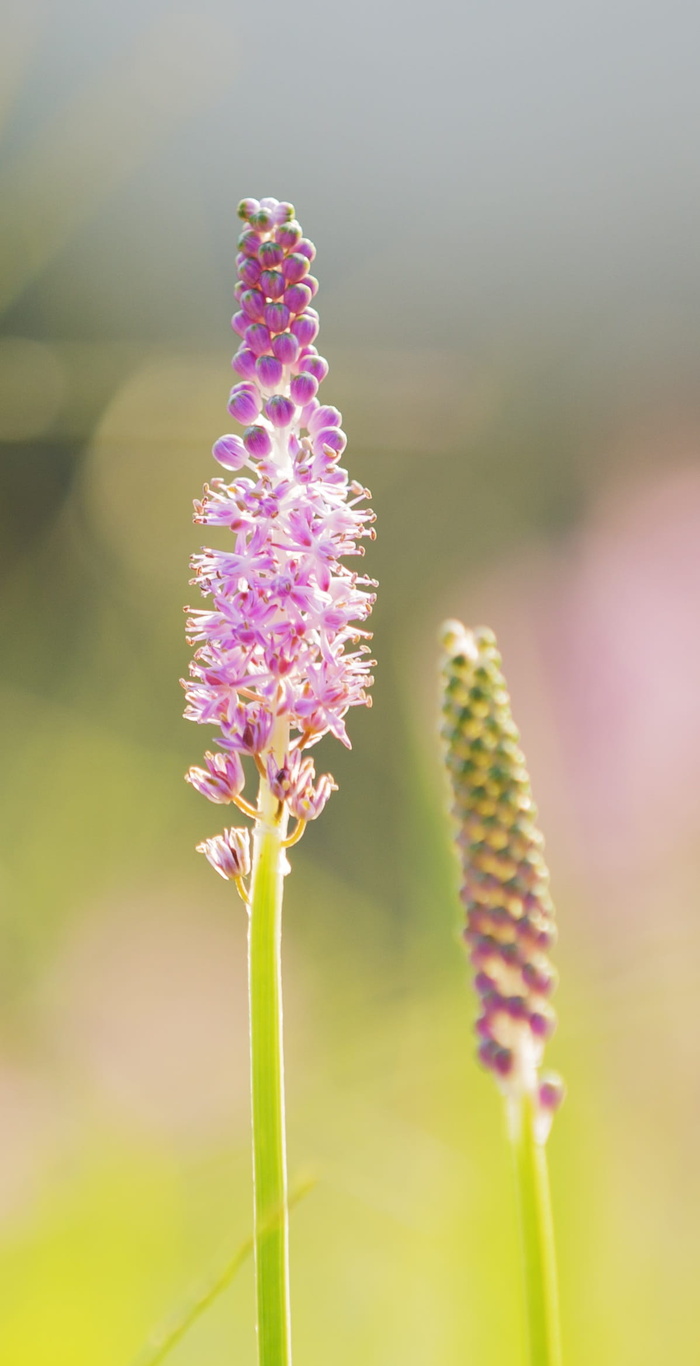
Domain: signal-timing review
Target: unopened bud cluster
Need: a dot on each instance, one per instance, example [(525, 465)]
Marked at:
[(505, 883)]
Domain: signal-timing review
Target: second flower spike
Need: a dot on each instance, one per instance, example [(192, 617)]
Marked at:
[(504, 878)]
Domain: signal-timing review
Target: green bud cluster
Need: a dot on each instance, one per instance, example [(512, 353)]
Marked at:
[(504, 878)]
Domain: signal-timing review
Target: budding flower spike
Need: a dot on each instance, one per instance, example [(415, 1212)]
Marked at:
[(281, 654), (509, 932)]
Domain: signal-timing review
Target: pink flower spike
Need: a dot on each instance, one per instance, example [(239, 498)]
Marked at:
[(281, 645)]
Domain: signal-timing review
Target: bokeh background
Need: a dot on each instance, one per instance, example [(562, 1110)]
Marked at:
[(506, 202)]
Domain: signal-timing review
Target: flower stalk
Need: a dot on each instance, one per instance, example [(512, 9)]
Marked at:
[(267, 1085), (536, 1236)]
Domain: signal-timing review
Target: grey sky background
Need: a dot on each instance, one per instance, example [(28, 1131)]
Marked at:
[(472, 171)]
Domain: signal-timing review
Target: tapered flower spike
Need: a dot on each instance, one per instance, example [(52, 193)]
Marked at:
[(509, 932), (281, 655), (505, 883), (282, 650)]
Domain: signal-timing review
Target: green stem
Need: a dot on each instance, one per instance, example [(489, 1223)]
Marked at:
[(537, 1238), (267, 1088)]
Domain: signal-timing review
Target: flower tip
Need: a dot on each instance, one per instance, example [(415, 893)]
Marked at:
[(247, 208), (457, 640)]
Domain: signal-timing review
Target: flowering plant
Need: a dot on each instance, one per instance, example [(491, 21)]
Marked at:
[(281, 655), (509, 932)]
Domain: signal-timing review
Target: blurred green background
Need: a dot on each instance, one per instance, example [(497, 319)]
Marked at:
[(506, 203)]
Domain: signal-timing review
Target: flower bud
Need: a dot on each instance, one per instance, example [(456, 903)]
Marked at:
[(272, 283), (303, 388), (253, 304), (257, 441), (324, 416), (279, 410), (269, 371), (249, 271), (295, 267), (249, 243), (244, 404), (329, 438), (297, 298), (258, 339), (285, 347), (230, 452), (305, 328), (277, 317), (244, 362), (288, 235)]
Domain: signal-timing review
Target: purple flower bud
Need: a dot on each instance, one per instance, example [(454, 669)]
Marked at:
[(297, 297), (230, 452), (244, 404), (551, 1092), (228, 853), (541, 1024), (244, 362), (311, 283), (249, 243), (284, 212), (269, 371), (249, 271), (305, 328), (307, 249), (288, 235), (258, 339), (271, 254), (239, 323), (257, 441), (277, 317), (316, 366), (540, 979), (303, 388), (253, 303), (497, 1059), (484, 983), (279, 410), (247, 207), (324, 416), (329, 438), (262, 220), (516, 1007), (295, 267), (285, 347), (269, 202), (272, 282)]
